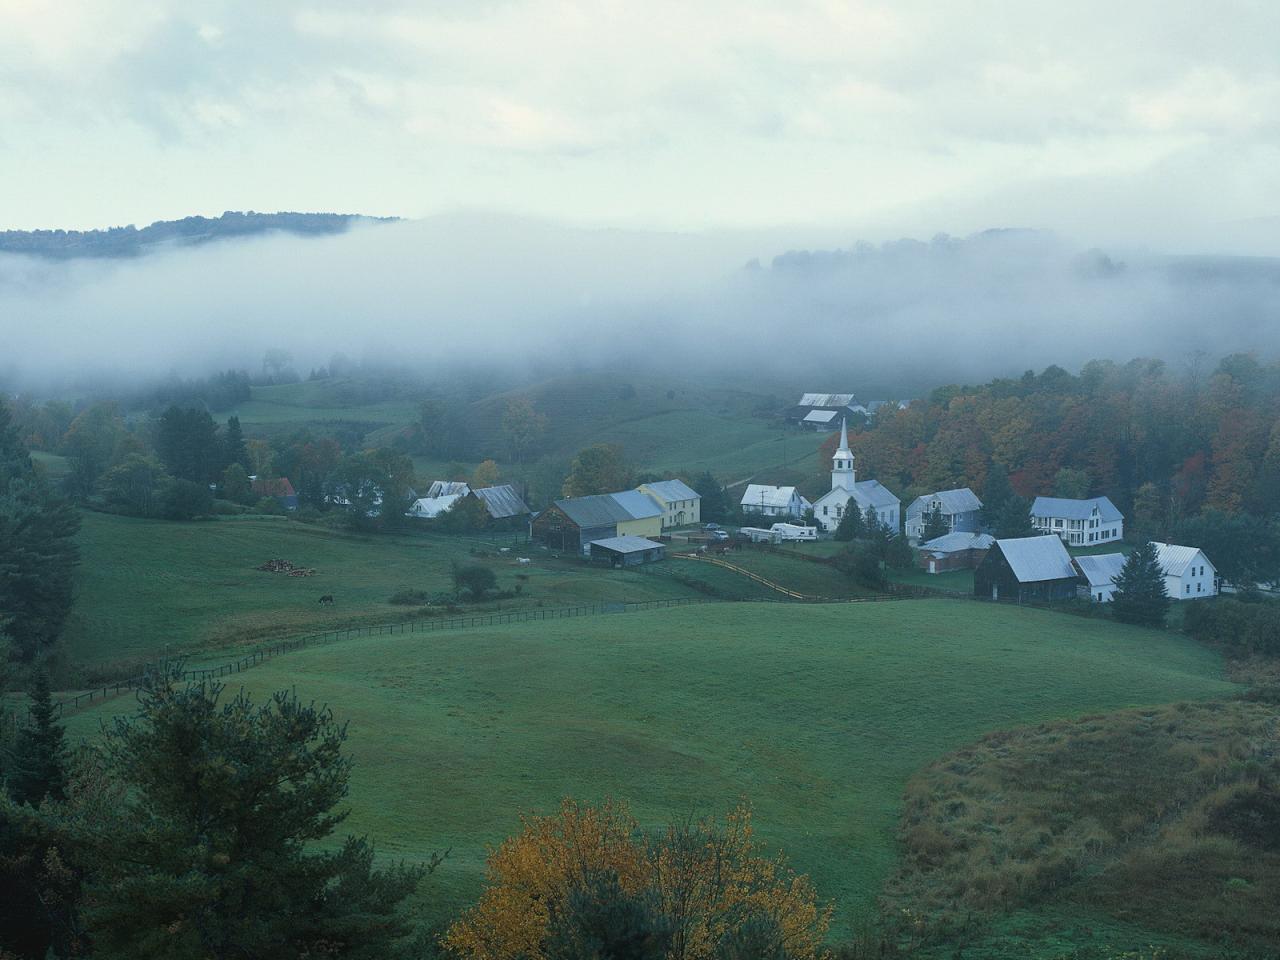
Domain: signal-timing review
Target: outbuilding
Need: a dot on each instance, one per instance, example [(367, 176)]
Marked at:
[(1098, 575), (954, 551), (626, 551), (1026, 569), (1188, 573)]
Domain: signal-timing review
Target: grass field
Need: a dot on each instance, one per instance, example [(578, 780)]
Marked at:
[(145, 587), (818, 715)]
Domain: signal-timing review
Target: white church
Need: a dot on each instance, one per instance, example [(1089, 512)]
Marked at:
[(846, 490)]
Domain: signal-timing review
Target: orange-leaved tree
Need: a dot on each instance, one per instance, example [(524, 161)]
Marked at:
[(706, 880)]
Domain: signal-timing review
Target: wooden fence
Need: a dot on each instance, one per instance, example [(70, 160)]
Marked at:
[(263, 654)]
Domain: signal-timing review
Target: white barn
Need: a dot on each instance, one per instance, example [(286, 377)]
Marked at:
[(773, 501), (1080, 523), (847, 490), (1188, 573)]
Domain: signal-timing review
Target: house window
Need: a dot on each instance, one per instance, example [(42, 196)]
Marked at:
[(1199, 587), (1188, 588), (824, 511), (1099, 597)]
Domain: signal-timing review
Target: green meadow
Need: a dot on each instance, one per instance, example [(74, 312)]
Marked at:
[(816, 714), (149, 587)]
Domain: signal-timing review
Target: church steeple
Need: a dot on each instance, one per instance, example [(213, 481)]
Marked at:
[(842, 474)]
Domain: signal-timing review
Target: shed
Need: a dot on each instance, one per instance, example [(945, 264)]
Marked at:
[(1098, 573), (627, 551), (502, 501), (1026, 569), (819, 419), (954, 551), (279, 489)]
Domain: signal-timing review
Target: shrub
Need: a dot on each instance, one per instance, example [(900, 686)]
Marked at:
[(184, 500), (474, 579)]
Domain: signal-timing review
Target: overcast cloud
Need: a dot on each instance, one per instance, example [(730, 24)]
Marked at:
[(1139, 120)]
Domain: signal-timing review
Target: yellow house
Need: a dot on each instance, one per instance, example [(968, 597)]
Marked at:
[(644, 512), (680, 503)]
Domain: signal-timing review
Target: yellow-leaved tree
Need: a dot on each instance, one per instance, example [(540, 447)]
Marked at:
[(705, 882)]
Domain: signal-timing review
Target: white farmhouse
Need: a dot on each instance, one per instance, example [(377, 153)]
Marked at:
[(961, 509), (1080, 523), (1188, 574), (773, 501), (848, 493)]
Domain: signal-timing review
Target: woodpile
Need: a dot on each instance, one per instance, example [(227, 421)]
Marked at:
[(287, 568)]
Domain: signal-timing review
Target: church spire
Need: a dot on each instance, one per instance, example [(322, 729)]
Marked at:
[(842, 475)]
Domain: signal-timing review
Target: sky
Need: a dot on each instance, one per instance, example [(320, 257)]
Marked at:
[(1140, 121)]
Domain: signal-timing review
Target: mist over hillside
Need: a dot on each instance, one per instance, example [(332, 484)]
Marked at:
[(130, 241), (522, 294)]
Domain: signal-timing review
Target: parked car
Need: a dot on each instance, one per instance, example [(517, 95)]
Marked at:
[(711, 526), (719, 534)]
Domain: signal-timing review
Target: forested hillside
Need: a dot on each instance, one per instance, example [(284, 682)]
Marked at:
[(130, 241)]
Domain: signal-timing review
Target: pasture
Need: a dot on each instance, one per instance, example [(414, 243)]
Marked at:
[(817, 714), (149, 587)]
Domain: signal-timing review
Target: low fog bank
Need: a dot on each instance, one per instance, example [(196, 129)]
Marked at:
[(508, 292)]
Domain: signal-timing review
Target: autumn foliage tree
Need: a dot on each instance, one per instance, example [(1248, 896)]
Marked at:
[(691, 888)]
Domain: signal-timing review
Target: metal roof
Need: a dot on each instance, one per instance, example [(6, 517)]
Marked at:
[(446, 488), (820, 416), (626, 544), (639, 505), (502, 501), (825, 400), (873, 493), (1033, 559), (599, 510), (961, 500), (1101, 569), (431, 507), (763, 495), (955, 542), (1174, 559), (670, 490), (1076, 509)]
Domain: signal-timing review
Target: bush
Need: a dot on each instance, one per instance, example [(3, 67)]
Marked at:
[(225, 508), (475, 580), (184, 500), (269, 505)]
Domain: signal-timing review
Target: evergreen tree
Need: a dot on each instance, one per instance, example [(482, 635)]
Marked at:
[(996, 492), (187, 441), (38, 552), (599, 919), (716, 505), (1014, 519), (872, 528), (935, 525), (235, 484), (216, 849), (851, 526), (233, 446), (1140, 592), (37, 767)]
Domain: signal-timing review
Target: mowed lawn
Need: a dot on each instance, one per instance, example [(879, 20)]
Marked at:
[(816, 714), (146, 587)]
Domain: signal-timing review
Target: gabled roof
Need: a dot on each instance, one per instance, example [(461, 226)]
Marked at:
[(639, 506), (670, 490), (626, 544), (961, 500), (278, 487), (874, 493), (820, 416), (502, 501), (429, 508), (1033, 559), (599, 510), (955, 542), (1101, 569), (1174, 559), (1075, 509), (825, 400), (763, 495), (447, 488)]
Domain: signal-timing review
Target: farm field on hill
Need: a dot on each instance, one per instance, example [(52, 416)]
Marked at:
[(817, 714), (145, 584)]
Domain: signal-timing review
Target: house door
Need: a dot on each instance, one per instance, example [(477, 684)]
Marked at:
[(995, 591), (933, 565)]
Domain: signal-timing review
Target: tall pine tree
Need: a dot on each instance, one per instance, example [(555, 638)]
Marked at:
[(37, 767), (935, 525), (1140, 595)]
